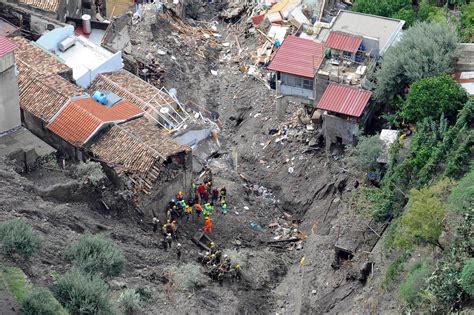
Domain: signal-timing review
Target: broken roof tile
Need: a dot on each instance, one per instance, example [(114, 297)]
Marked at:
[(37, 58), (132, 88), (46, 5), (44, 96)]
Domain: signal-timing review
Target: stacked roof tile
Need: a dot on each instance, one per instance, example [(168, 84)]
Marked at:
[(44, 96), (81, 118), (39, 59), (122, 83)]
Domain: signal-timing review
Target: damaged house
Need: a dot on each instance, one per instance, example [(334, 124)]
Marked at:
[(343, 109), (296, 64), (108, 123)]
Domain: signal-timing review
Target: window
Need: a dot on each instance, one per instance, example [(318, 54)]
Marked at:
[(347, 54), (307, 84), (297, 81)]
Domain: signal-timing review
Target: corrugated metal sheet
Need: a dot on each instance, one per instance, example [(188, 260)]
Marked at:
[(6, 46), (344, 100), (47, 5), (298, 56), (343, 42), (83, 117)]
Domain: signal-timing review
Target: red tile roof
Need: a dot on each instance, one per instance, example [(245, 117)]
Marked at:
[(344, 42), (6, 46), (81, 118), (298, 56), (344, 100)]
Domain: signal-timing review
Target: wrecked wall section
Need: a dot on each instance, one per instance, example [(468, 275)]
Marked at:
[(337, 129), (175, 175)]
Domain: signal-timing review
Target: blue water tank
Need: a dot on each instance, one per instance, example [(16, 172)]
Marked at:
[(100, 97)]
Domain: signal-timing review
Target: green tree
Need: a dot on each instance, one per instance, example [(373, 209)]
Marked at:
[(17, 236), (423, 221), (386, 8), (431, 97), (96, 254), (425, 50)]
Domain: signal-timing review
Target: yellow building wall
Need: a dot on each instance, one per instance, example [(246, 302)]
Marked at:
[(118, 7)]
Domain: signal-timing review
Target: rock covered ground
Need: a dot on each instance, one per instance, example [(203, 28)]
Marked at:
[(273, 181)]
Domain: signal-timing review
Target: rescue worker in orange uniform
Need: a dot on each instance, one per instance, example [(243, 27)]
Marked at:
[(208, 225)]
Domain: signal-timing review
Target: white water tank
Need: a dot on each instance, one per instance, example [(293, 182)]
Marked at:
[(86, 24), (67, 43)]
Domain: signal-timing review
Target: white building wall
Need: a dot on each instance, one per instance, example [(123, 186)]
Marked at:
[(9, 98)]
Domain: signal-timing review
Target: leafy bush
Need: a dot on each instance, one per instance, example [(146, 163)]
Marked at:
[(83, 293), (130, 300), (95, 254), (394, 269), (40, 301), (366, 152), (17, 236), (415, 282), (462, 195), (430, 97), (423, 221), (467, 277), (426, 50)]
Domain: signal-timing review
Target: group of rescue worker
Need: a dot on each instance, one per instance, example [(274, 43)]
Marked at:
[(220, 265), (205, 198)]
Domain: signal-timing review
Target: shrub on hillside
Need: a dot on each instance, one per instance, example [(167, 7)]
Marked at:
[(414, 284), (467, 277), (131, 301), (83, 293), (17, 236), (90, 171), (40, 301), (96, 254)]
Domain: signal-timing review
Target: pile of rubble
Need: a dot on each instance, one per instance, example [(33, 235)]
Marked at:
[(286, 233)]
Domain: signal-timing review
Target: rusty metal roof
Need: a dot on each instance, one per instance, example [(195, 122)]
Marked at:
[(46, 5), (298, 56), (343, 99), (6, 46), (83, 117), (344, 42)]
